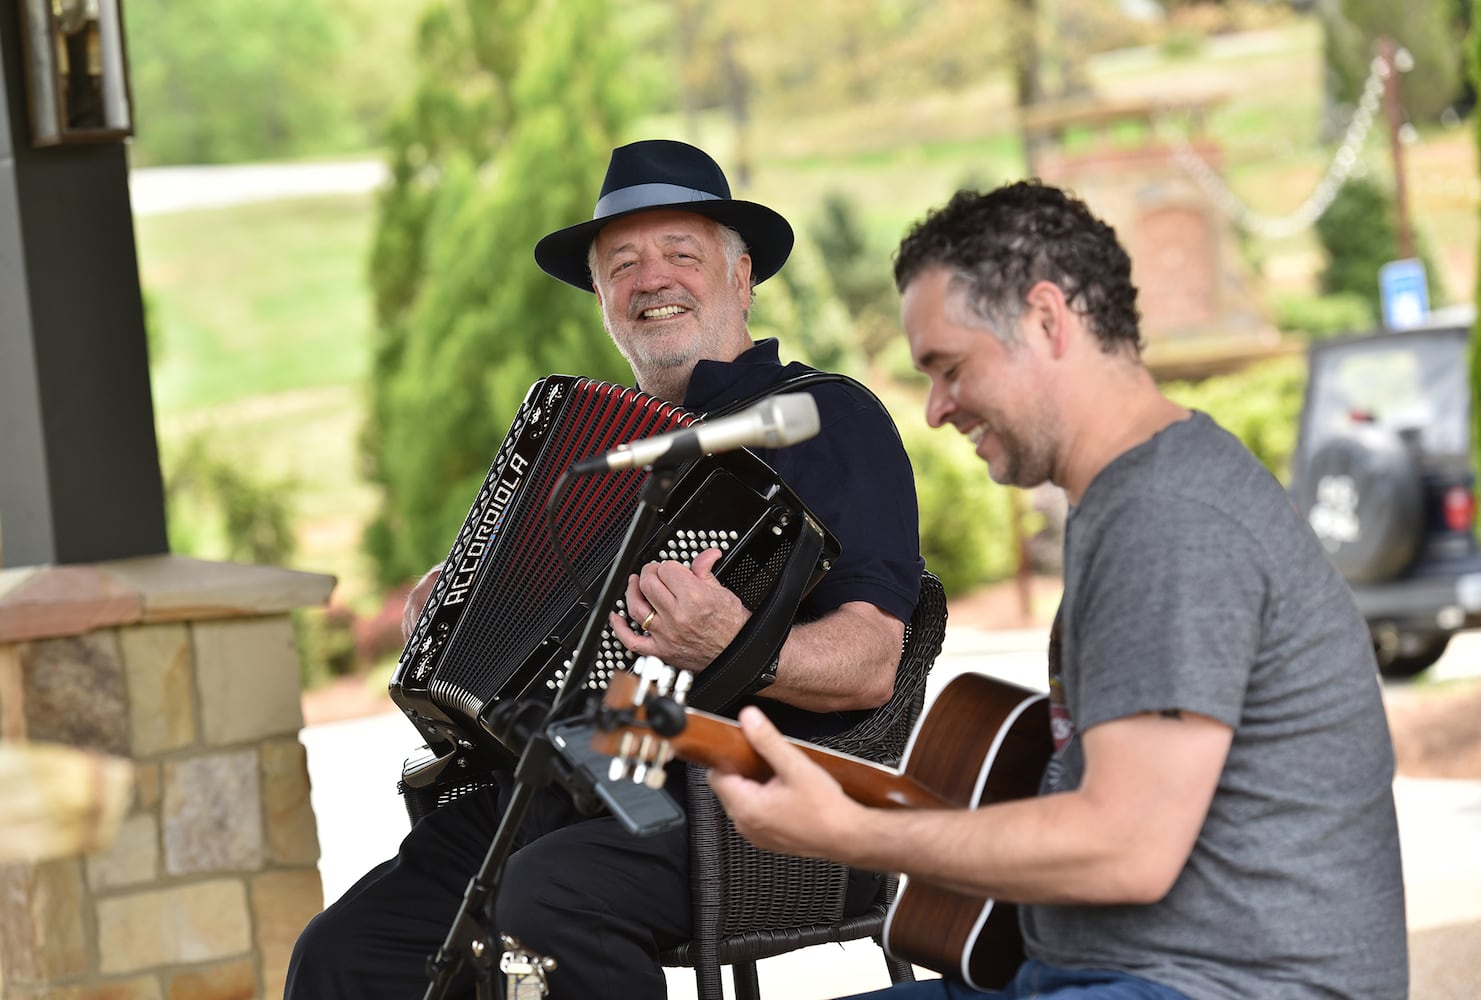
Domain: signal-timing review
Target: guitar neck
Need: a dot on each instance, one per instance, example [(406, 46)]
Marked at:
[(717, 742)]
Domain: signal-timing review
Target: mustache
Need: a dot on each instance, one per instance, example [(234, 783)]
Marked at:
[(643, 301)]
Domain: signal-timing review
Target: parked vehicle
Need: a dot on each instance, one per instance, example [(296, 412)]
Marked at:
[(1384, 473)]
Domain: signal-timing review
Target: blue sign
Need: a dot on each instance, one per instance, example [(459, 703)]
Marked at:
[(1405, 294)]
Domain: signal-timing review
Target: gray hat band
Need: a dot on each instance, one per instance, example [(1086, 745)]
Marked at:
[(647, 195)]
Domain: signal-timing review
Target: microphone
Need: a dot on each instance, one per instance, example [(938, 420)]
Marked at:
[(772, 423)]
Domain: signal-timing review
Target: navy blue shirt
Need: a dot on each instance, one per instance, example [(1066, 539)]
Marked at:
[(855, 476)]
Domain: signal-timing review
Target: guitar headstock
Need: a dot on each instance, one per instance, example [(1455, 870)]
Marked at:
[(640, 712)]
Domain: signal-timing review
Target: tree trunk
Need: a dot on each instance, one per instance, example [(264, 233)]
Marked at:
[(737, 104), (688, 17), (1028, 81)]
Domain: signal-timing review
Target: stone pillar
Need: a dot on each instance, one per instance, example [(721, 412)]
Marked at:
[(191, 670)]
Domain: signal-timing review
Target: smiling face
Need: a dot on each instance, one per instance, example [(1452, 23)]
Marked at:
[(994, 393), (670, 295)]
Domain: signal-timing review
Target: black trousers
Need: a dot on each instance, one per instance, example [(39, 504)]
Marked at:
[(585, 892)]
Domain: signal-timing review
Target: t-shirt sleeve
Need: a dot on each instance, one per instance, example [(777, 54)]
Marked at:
[(1169, 613)]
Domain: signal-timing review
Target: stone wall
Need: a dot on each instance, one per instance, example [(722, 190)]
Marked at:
[(190, 670)]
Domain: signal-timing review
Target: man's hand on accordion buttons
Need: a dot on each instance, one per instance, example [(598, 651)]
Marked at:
[(690, 616)]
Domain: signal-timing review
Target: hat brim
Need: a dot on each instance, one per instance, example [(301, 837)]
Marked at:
[(768, 238)]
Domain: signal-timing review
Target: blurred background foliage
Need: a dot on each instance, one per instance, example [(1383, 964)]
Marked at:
[(333, 374), (231, 80), (484, 161), (1359, 234)]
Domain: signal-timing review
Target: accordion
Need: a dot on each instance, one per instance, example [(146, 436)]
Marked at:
[(505, 616)]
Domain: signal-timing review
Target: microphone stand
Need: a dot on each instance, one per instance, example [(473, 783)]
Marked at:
[(471, 937)]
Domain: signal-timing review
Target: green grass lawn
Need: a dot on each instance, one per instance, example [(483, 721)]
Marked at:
[(261, 331), (256, 299)]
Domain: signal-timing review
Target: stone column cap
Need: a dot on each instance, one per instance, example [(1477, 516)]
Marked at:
[(45, 602)]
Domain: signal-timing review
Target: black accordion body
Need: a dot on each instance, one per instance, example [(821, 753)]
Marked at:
[(504, 618)]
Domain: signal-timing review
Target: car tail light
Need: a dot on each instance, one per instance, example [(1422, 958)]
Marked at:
[(1460, 508)]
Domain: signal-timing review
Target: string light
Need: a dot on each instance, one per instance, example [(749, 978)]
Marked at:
[(1345, 162)]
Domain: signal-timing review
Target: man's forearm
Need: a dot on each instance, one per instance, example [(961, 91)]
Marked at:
[(844, 660), (1039, 850), (1121, 837)]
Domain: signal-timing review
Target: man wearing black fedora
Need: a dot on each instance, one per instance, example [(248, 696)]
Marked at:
[(673, 260)]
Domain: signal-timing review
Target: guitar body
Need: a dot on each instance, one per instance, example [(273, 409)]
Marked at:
[(982, 741)]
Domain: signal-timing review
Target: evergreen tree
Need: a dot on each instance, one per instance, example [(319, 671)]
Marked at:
[(860, 272), (506, 139), (1429, 29), (1359, 233)]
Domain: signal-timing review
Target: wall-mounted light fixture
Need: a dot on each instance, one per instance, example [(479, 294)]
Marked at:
[(77, 80)]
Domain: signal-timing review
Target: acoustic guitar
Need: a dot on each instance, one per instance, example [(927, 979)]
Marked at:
[(981, 741)]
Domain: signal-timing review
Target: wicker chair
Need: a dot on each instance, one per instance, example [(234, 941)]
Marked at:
[(751, 904)]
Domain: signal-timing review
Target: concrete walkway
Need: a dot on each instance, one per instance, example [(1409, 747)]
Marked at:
[(161, 190), (354, 766)]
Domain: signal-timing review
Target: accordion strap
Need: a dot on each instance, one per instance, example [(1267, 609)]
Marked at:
[(790, 383), (741, 669), (794, 383)]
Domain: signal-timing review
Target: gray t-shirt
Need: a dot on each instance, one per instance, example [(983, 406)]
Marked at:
[(1191, 583)]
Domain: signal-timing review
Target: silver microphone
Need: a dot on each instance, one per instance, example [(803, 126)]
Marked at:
[(772, 423)]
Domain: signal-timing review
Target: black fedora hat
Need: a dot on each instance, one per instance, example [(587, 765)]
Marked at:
[(664, 173)]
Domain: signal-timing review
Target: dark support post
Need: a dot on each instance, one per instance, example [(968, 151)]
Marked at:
[(79, 466), (1394, 110)]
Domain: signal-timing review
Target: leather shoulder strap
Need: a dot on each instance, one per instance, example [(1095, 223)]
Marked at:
[(798, 382)]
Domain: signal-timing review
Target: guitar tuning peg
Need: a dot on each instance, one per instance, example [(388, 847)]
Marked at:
[(643, 759), (621, 766), (655, 674), (656, 775), (682, 683)]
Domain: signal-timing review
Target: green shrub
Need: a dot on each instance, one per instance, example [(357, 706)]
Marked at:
[(800, 307), (895, 364), (1359, 234), (1325, 315), (860, 272), (216, 509), (326, 648), (965, 518), (1260, 405)]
